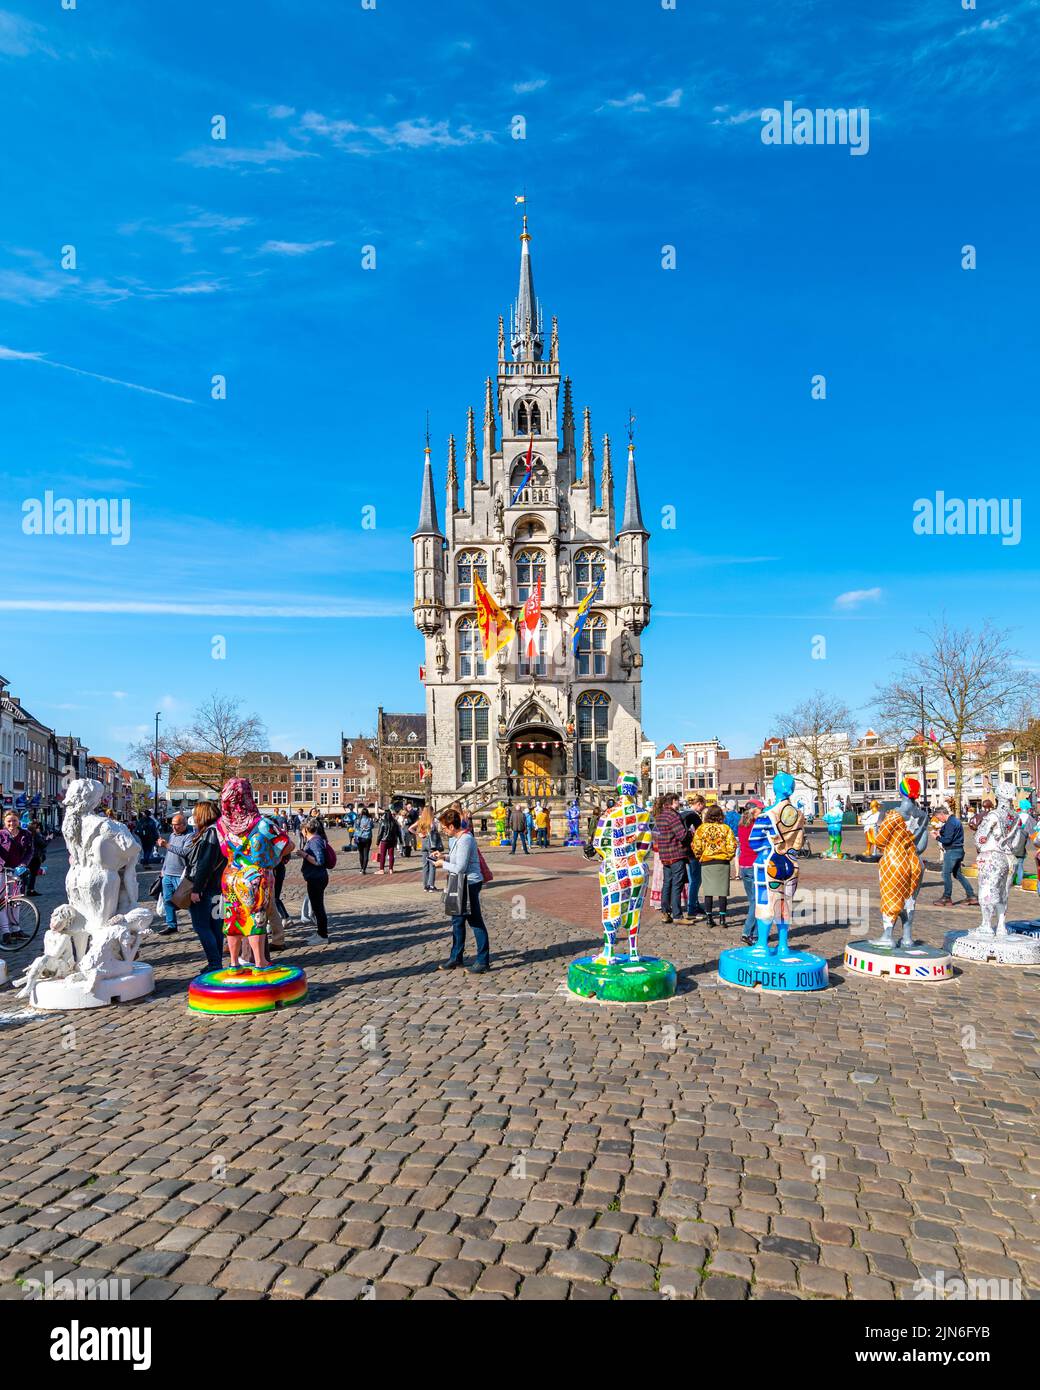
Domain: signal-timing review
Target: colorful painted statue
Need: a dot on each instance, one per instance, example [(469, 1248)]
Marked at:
[(913, 813), (776, 832), (622, 841), (995, 862), (899, 875), (253, 847), (573, 823), (833, 821), (870, 825), (501, 816)]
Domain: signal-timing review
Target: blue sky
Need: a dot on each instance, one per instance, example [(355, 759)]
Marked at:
[(391, 127)]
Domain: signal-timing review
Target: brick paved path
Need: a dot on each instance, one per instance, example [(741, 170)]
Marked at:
[(415, 1133)]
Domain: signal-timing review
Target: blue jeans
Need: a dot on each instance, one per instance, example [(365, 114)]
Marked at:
[(543, 837), (951, 869), (169, 883), (671, 888), (520, 835), (476, 921), (429, 872), (693, 887), (209, 928), (747, 878)]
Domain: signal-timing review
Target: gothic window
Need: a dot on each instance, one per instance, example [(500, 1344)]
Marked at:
[(470, 562), (536, 420), (470, 649), (590, 568), (528, 418), (537, 491), (472, 720), (593, 708), (592, 647), (521, 418), (530, 567), (525, 665)]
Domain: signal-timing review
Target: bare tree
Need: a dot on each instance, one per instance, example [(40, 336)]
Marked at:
[(813, 733), (209, 749), (971, 689)]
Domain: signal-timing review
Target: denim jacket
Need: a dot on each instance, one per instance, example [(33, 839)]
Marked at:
[(462, 858)]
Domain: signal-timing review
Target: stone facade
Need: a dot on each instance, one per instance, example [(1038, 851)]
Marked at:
[(562, 723)]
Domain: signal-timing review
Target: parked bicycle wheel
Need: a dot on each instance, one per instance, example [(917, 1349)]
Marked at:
[(24, 919)]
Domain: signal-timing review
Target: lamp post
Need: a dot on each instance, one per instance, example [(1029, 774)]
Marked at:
[(155, 769)]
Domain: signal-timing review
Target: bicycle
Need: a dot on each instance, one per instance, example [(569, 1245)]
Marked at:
[(23, 916)]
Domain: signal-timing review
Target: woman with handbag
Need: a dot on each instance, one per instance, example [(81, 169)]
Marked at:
[(462, 895), (200, 886)]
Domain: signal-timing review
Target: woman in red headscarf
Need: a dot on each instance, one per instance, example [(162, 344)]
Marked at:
[(254, 847)]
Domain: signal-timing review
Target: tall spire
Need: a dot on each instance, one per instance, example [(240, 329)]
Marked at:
[(489, 429), (588, 459), (527, 338), (633, 518), (453, 477), (568, 416), (428, 506)]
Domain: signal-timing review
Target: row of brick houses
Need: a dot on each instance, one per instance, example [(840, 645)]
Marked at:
[(855, 771), (37, 764), (389, 765)]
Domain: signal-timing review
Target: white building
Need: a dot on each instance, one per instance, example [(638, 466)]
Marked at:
[(670, 772), (702, 758), (557, 723)]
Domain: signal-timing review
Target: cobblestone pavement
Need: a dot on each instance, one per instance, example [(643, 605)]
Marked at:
[(413, 1133)]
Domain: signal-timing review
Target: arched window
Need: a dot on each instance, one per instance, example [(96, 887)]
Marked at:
[(530, 567), (521, 418), (536, 420), (528, 418), (525, 665), (470, 649), (592, 647), (472, 720), (593, 708), (470, 562), (538, 491), (590, 568)]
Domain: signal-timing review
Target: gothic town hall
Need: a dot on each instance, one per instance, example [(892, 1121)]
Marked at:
[(560, 723)]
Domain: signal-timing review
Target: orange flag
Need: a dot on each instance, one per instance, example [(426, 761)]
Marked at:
[(496, 628)]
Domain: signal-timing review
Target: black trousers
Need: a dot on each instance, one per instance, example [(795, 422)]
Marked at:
[(364, 849), (316, 893)]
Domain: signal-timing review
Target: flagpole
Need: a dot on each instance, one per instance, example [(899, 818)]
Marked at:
[(155, 769)]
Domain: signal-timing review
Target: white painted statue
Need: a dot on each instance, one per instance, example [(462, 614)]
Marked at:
[(996, 863), (90, 948)]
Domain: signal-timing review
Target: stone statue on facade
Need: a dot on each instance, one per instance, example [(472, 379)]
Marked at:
[(440, 656)]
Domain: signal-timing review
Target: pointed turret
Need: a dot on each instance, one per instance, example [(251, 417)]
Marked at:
[(453, 478), (527, 338), (489, 429), (568, 417), (588, 459), (632, 521), (428, 506), (428, 557), (607, 492)]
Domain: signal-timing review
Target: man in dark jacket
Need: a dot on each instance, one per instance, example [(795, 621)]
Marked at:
[(692, 815), (518, 826), (951, 838), (672, 843)]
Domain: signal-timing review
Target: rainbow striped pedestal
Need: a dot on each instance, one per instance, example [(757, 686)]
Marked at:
[(622, 981), (910, 964), (247, 990)]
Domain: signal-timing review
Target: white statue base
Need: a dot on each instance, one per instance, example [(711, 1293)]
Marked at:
[(70, 993), (1002, 948), (3, 972), (914, 964)]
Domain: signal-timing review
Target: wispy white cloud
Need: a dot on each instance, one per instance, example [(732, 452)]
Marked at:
[(280, 112), (674, 98), (293, 248), (13, 355), (19, 37), (854, 597), (418, 134), (533, 84), (273, 152)]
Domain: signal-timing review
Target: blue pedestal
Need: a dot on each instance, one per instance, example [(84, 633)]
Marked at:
[(752, 967), (1025, 929)]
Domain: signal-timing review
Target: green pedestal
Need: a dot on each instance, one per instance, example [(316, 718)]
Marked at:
[(622, 981)]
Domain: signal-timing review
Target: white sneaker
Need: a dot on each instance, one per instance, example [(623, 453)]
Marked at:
[(316, 940)]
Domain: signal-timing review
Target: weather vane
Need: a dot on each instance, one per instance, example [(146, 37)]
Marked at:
[(631, 423)]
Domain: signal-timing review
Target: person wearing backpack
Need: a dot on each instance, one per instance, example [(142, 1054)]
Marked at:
[(318, 858)]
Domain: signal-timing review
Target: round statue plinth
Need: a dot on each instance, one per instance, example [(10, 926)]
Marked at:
[(3, 972), (1031, 929), (247, 990), (622, 981), (72, 993), (911, 964), (752, 967), (1014, 948)]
